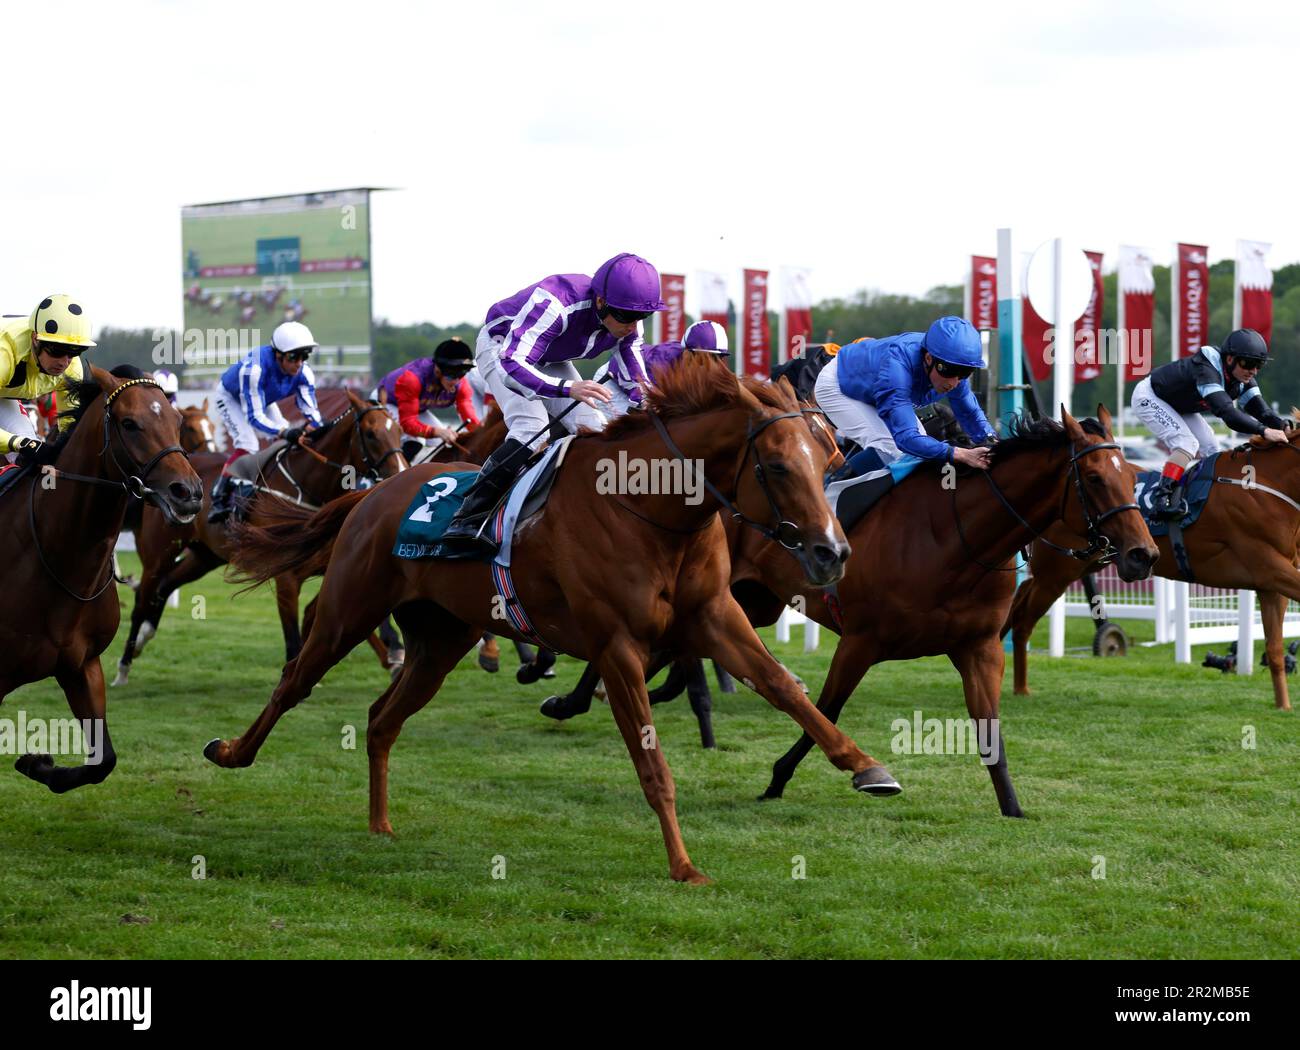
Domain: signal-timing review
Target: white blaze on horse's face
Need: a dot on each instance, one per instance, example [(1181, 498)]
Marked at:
[(388, 423), (1115, 460), (155, 407), (209, 439)]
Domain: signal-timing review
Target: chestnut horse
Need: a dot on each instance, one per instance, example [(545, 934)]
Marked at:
[(1244, 539), (927, 578), (361, 442), (606, 576), (61, 533)]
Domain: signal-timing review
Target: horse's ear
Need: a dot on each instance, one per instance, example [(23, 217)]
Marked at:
[(357, 403), (1104, 418), (106, 380), (1072, 427), (205, 406)]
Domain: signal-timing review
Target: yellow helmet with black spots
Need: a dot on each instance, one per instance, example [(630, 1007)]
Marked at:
[(60, 319)]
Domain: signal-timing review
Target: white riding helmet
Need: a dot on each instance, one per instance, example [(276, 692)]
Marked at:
[(167, 381), (293, 335)]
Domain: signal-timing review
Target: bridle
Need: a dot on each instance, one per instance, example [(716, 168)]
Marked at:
[(133, 483), (373, 465), (786, 533), (1098, 543)]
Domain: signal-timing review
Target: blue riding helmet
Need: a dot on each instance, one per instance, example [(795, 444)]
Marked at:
[(954, 341)]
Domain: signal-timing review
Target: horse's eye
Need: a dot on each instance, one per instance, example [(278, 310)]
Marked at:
[(777, 468), (130, 424), (1094, 478)]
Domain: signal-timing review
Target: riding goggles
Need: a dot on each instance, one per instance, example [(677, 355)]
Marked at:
[(952, 371), (624, 316)]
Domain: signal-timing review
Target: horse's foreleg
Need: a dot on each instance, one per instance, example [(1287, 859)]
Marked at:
[(437, 642), (144, 606), (623, 669), (851, 660), (723, 631), (84, 689), (1272, 608), (981, 668), (697, 691)]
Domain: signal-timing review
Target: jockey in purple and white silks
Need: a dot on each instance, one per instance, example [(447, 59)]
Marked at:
[(706, 337), (872, 388), (525, 351)]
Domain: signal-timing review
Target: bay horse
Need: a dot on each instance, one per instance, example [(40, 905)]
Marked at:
[(609, 577), (361, 442), (61, 531), (1246, 538)]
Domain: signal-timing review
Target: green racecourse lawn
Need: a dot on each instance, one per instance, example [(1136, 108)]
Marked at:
[(1134, 760)]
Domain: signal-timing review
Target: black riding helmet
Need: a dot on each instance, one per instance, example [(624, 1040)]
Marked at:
[(453, 357), (1245, 344)]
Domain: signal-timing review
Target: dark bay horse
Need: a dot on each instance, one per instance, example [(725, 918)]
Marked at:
[(61, 527), (360, 442), (1244, 539), (609, 577), (928, 578)]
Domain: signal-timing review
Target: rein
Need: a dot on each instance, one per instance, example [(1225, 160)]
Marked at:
[(373, 465), (133, 485), (786, 532), (1098, 543)]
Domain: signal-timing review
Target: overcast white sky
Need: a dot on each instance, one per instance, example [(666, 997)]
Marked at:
[(880, 144)]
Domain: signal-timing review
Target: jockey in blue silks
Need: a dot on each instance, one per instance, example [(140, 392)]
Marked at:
[(872, 389)]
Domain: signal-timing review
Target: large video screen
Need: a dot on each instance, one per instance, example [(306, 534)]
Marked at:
[(249, 265)]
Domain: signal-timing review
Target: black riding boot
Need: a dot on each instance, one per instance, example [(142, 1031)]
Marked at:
[(1168, 502), (498, 471), (223, 493)]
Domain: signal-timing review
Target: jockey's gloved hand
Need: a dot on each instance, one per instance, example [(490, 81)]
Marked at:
[(291, 434), (27, 447), (990, 441)]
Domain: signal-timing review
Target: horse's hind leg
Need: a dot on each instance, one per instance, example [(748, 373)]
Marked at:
[(144, 605), (981, 666), (84, 688), (851, 661), (437, 642), (287, 590), (1272, 608), (341, 624), (1032, 600)]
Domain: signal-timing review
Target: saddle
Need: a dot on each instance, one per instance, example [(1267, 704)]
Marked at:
[(850, 498), (249, 468), (12, 474)]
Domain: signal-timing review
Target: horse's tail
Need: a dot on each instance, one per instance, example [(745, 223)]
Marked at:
[(290, 539)]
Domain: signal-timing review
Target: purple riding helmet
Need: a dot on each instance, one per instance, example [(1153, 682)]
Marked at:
[(628, 282)]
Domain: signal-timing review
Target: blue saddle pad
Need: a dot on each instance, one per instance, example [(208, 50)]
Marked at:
[(852, 498), (430, 512), (1196, 487)]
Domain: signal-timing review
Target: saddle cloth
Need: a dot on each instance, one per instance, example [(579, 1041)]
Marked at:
[(851, 498), (431, 511), (1197, 484)]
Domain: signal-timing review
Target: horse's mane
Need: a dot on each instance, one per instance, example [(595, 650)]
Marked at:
[(1026, 433), (693, 385)]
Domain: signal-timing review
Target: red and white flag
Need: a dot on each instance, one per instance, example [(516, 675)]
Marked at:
[(1253, 289), (1034, 331), (1137, 309), (1087, 360), (756, 332), (1191, 288), (670, 323), (796, 312), (982, 293), (713, 297)]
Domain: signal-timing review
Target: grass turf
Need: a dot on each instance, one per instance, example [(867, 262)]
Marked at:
[(1135, 760)]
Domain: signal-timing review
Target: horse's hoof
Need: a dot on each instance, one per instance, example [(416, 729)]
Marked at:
[(37, 767), (692, 877), (123, 673), (212, 749), (770, 794), (490, 664), (383, 828), (553, 707), (876, 780)]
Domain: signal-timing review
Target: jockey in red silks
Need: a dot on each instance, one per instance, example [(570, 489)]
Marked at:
[(412, 392)]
